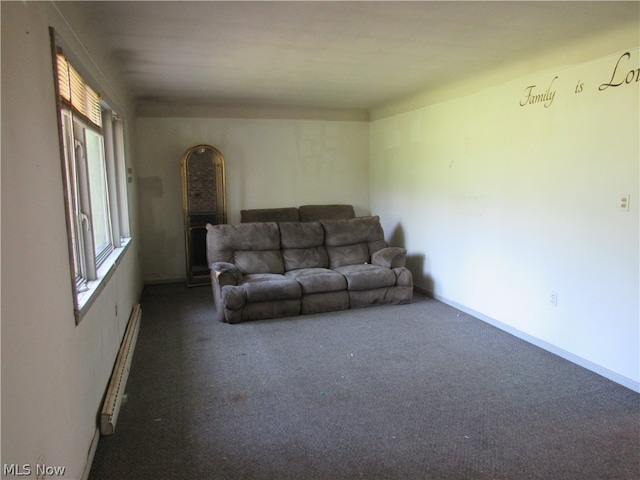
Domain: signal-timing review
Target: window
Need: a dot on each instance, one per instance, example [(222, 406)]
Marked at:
[(92, 154)]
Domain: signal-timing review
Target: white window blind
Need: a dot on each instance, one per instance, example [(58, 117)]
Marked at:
[(79, 96)]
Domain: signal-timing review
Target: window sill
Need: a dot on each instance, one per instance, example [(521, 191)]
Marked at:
[(86, 298)]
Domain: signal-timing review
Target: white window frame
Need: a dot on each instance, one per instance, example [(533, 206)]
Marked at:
[(84, 121)]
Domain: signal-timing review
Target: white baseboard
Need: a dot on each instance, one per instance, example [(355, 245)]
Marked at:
[(600, 370)]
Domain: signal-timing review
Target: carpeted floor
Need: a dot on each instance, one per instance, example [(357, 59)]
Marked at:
[(419, 391)]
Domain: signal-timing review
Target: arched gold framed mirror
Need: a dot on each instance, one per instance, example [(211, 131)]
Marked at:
[(203, 201)]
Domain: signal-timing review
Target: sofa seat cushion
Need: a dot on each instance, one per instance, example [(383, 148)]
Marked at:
[(366, 276), (318, 280), (269, 287)]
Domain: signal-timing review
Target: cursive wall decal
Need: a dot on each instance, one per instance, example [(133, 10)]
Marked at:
[(621, 75), (545, 98), (620, 79)]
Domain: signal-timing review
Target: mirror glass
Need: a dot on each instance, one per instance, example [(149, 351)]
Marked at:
[(203, 193)]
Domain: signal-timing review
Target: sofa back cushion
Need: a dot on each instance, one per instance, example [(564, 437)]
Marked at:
[(252, 247), (302, 245), (352, 241), (285, 214), (313, 213)]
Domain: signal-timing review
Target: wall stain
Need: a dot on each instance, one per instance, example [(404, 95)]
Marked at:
[(152, 186)]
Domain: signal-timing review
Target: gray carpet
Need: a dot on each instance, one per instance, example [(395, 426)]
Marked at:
[(419, 391)]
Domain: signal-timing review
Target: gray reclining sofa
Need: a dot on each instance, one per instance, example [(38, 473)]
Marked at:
[(319, 259)]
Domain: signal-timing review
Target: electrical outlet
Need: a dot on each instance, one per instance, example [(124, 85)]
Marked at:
[(553, 299), (623, 202)]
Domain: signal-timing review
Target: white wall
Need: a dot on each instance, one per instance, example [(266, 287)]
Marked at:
[(500, 205), (54, 373), (269, 163)]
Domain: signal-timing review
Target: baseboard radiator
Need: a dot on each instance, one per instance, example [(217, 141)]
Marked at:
[(120, 374)]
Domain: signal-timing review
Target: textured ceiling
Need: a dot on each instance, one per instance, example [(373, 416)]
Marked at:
[(344, 55)]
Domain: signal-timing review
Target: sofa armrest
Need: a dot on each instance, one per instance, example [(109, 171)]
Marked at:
[(390, 257), (226, 273)]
